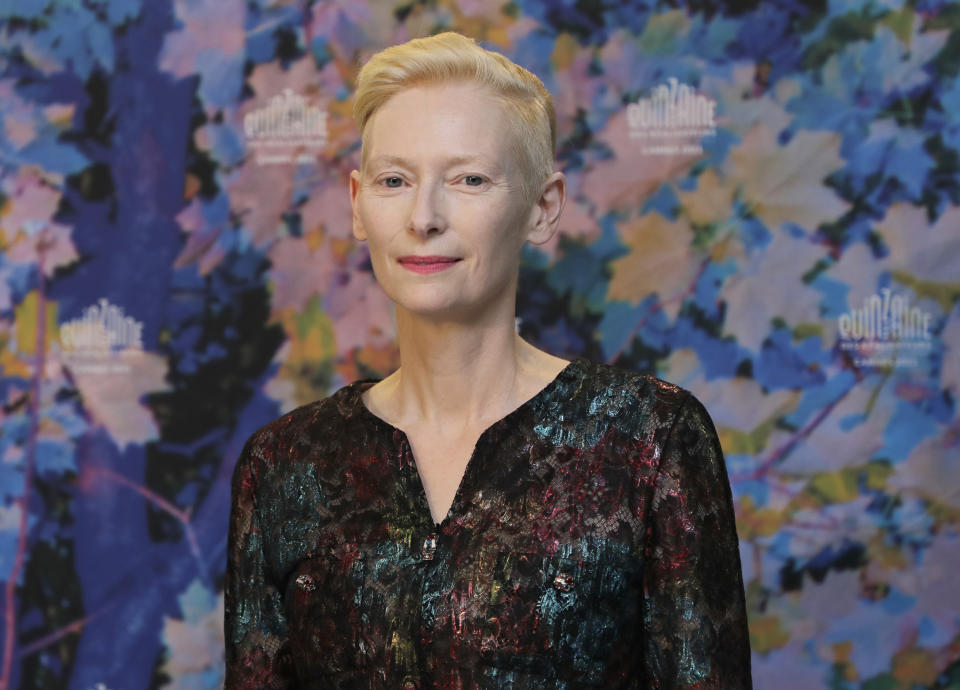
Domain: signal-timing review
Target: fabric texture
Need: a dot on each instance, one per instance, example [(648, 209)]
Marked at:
[(591, 543)]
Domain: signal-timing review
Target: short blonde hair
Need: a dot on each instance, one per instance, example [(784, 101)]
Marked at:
[(450, 56)]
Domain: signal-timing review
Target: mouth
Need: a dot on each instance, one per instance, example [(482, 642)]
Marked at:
[(427, 264), (426, 260)]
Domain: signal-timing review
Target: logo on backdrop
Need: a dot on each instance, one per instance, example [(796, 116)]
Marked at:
[(280, 130), (886, 331), (673, 120), (102, 340)]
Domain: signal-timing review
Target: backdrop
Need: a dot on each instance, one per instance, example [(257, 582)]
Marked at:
[(764, 209)]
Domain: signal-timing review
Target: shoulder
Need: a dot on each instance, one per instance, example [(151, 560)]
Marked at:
[(667, 420), (618, 391), (295, 434), (607, 405)]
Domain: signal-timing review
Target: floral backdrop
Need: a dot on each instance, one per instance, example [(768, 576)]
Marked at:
[(764, 208)]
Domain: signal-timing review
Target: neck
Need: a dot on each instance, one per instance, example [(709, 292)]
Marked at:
[(456, 378)]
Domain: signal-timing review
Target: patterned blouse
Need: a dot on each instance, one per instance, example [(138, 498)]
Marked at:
[(591, 543)]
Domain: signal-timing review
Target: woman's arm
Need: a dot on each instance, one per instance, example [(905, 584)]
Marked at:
[(255, 630), (694, 612)]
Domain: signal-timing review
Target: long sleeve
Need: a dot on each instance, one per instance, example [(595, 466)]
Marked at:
[(255, 630), (694, 611)]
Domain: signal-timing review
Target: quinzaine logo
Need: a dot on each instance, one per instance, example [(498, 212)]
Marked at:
[(674, 119), (102, 340), (285, 124), (886, 331)]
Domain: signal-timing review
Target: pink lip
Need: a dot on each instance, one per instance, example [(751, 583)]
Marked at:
[(427, 264)]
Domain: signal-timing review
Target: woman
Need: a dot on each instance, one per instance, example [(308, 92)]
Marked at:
[(488, 515)]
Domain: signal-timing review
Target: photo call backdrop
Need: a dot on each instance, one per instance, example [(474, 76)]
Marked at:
[(764, 208)]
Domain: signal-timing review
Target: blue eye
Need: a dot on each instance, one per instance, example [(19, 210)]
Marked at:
[(393, 177), (474, 177)]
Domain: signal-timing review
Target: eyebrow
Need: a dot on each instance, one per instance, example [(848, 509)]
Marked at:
[(452, 160)]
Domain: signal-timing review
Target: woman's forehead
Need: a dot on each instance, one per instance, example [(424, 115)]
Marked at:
[(440, 123)]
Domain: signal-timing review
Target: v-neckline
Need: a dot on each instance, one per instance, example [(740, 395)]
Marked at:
[(361, 385)]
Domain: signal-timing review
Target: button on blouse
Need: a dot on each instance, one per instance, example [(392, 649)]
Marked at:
[(591, 543)]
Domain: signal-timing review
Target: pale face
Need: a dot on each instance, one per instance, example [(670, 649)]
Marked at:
[(440, 181)]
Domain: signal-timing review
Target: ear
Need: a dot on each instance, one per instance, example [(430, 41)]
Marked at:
[(357, 228), (545, 214)]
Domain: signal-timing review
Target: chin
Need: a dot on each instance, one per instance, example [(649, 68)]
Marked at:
[(430, 310), (430, 307)]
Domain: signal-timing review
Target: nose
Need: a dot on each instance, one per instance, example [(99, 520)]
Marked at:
[(427, 215)]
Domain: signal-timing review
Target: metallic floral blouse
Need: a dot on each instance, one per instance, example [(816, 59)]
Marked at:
[(591, 543)]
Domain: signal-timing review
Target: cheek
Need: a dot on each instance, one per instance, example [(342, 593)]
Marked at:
[(379, 222), (378, 258), (512, 227), (379, 269)]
